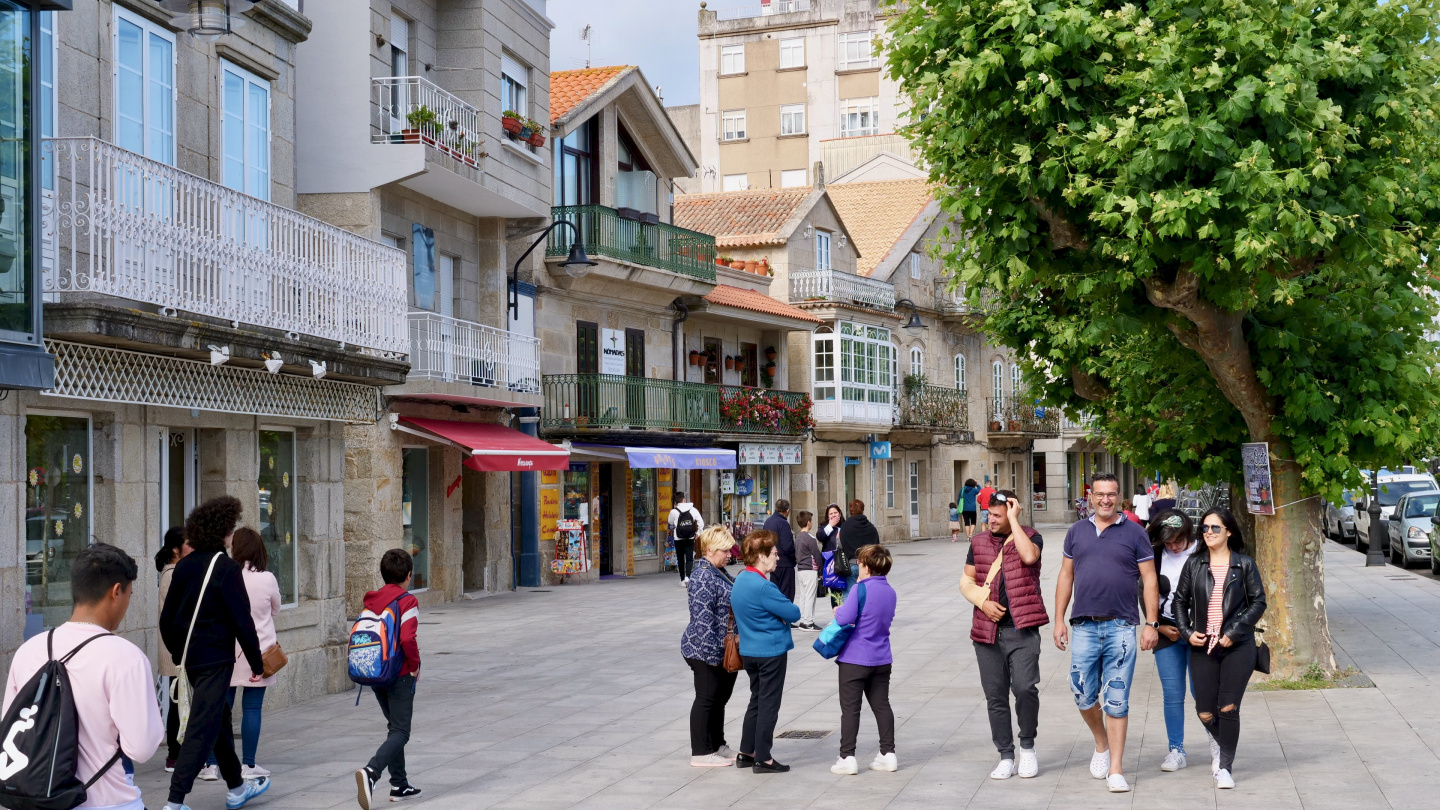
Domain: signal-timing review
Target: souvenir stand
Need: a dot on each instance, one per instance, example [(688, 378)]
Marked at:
[(572, 555)]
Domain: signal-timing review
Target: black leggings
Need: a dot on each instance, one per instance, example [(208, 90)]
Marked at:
[(684, 556), (874, 684), (713, 686), (1219, 680)]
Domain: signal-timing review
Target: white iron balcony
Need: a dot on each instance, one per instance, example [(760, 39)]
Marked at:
[(763, 9), (121, 225), (410, 109), (856, 409), (450, 350), (837, 287)]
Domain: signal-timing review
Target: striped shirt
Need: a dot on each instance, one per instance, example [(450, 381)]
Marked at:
[(1215, 616)]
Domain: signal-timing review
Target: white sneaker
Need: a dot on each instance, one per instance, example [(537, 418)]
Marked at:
[(1004, 770), (1117, 783), (1029, 765), (711, 761), (885, 762), (1174, 761), (1214, 755), (845, 766), (1223, 779), (684, 583), (252, 772), (1100, 764), (209, 773), (725, 751)]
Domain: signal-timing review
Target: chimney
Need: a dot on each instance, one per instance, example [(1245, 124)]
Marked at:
[(819, 175)]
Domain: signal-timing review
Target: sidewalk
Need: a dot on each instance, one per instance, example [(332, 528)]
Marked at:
[(577, 696)]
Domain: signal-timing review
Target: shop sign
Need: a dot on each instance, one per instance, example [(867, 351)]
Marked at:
[(1259, 497), (550, 477), (549, 511), (612, 351), (770, 454), (880, 450), (727, 483)]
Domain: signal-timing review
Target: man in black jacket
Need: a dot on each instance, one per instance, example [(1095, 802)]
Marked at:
[(784, 574), (856, 533)]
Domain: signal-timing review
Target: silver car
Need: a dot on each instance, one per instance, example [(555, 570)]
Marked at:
[(1410, 528), (1338, 519), (1393, 486)]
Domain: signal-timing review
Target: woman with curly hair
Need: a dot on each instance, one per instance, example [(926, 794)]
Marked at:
[(206, 613)]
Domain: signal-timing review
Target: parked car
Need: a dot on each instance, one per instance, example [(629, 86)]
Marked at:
[(1410, 528), (1393, 486), (1337, 520)]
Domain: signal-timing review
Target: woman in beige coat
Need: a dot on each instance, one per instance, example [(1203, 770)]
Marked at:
[(170, 553)]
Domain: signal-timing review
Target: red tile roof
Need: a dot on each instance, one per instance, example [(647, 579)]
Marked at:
[(741, 218), (877, 214), (570, 88), (727, 296)]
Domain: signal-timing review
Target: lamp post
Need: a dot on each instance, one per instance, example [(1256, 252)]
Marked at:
[(914, 325), (1373, 554), (577, 258), (207, 19)]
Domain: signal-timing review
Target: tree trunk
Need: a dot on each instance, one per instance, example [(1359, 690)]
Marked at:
[(1289, 550)]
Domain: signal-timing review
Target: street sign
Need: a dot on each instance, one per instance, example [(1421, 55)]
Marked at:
[(1259, 496), (879, 450)]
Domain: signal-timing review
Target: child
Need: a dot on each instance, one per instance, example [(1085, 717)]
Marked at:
[(954, 522), (397, 701), (808, 563), (864, 662)]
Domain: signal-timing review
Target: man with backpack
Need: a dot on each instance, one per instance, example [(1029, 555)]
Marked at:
[(105, 685), (398, 607), (685, 525)]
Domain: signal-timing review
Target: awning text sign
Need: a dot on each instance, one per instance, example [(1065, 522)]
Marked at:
[(770, 454)]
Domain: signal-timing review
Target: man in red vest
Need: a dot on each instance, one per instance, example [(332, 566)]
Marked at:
[(1009, 612)]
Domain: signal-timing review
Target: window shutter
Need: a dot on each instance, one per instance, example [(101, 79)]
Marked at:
[(511, 67)]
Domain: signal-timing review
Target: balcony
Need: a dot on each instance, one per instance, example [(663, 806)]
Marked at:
[(934, 407), (837, 287), (449, 350), (410, 109), (762, 9), (597, 403), (122, 225), (1014, 421), (860, 412), (605, 232)]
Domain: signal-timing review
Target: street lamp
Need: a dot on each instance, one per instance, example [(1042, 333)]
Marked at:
[(1373, 554), (914, 325), (577, 259), (207, 19)]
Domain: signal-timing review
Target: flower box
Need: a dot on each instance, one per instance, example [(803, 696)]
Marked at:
[(512, 124), (537, 139)]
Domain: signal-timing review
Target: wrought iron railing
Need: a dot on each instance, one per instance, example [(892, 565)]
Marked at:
[(841, 288), (409, 109), (451, 350), (934, 406), (604, 232), (122, 225), (762, 9), (1021, 415), (600, 402)]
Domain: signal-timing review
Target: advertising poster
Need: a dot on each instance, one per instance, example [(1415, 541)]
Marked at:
[(549, 511), (612, 351), (1259, 497)]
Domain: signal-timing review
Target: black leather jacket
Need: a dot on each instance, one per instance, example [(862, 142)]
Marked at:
[(1244, 601)]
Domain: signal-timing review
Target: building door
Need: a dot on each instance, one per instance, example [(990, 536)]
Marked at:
[(635, 410), (696, 491), (914, 499), (587, 365), (604, 523), (179, 478), (852, 465)]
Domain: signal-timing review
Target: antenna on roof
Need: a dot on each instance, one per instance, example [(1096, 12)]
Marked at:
[(585, 38)]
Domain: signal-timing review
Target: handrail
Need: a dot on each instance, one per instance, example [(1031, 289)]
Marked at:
[(762, 9), (927, 405), (652, 244), (1015, 414), (453, 350), (837, 286), (599, 402), (410, 109)]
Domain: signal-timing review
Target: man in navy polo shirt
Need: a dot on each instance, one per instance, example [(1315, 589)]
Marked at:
[(1107, 560)]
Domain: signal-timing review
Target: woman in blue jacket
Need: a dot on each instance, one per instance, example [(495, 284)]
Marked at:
[(762, 617), (968, 493)]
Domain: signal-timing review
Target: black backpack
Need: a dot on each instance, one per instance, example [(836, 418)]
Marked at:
[(685, 525), (40, 741)]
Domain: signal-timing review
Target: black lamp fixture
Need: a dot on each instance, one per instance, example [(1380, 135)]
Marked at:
[(576, 264), (207, 19), (914, 325)]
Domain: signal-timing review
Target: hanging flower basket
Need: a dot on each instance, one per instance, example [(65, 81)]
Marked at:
[(695, 358), (729, 363), (770, 354)]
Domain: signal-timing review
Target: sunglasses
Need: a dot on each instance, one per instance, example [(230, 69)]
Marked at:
[(1208, 529)]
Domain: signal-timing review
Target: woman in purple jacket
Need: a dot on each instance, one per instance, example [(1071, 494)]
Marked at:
[(865, 662)]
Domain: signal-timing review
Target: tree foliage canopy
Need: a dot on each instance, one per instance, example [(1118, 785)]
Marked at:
[(1207, 220)]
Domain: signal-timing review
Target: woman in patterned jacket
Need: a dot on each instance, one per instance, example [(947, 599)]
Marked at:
[(703, 646)]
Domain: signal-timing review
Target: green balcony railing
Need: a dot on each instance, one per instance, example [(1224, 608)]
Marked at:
[(604, 232), (934, 406), (601, 402), (1022, 416)]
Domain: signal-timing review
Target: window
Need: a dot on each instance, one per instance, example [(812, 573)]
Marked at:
[(732, 59), (915, 266), (822, 250), (914, 489), (792, 119), (824, 345), (514, 85), (246, 132), (422, 270), (577, 166), (734, 182), (859, 116), (1016, 386), (415, 511), (58, 505), (277, 485), (399, 45), (960, 372), (793, 178), (857, 50), (866, 364), (732, 125), (750, 374), (19, 115), (889, 483), (45, 55), (444, 284), (792, 53), (144, 87), (997, 380), (643, 512), (1015, 477), (917, 361)]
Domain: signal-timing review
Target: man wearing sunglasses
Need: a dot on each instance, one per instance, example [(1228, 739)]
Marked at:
[(1108, 564)]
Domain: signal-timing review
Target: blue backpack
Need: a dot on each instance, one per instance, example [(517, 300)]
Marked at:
[(374, 656)]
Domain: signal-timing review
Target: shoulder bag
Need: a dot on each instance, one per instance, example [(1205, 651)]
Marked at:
[(835, 635), (732, 661), (180, 686), (273, 660), (1262, 650)]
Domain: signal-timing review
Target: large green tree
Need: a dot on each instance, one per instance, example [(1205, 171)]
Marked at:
[(1207, 223)]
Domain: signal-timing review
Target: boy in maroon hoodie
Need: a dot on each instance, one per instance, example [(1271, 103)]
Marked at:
[(397, 701)]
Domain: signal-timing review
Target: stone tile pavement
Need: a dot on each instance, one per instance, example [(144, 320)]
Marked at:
[(577, 696)]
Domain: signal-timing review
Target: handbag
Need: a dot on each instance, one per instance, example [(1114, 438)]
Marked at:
[(732, 661), (273, 660), (180, 684), (835, 635), (1262, 655)]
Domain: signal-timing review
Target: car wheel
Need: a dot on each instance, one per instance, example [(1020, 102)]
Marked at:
[(1435, 565), (1397, 556), (1360, 544)]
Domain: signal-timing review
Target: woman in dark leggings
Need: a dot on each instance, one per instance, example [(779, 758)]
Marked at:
[(1217, 602)]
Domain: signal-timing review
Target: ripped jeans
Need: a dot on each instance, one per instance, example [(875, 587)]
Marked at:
[(1102, 654)]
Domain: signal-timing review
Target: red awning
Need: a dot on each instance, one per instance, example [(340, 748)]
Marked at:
[(496, 448)]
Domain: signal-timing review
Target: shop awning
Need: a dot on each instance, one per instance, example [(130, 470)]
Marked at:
[(493, 448), (669, 458)]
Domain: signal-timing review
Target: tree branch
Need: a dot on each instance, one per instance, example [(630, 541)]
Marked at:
[(1062, 233), (1088, 386)]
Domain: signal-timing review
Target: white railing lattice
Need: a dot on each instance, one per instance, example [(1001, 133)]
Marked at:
[(762, 9), (451, 350), (410, 109), (842, 288)]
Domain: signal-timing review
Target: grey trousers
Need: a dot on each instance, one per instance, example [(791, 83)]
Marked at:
[(1011, 664)]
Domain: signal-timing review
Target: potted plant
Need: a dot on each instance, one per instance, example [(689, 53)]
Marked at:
[(423, 122), (729, 363), (770, 354), (537, 134), (695, 357), (770, 369), (737, 265), (765, 267), (512, 122)]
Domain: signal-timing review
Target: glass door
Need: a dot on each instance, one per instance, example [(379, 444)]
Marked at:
[(179, 477), (914, 499)]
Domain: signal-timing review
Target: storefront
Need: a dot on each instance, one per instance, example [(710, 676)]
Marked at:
[(762, 479)]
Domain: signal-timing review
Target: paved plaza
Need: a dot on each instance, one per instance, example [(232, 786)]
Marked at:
[(577, 696)]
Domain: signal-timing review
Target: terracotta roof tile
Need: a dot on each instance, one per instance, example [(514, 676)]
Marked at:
[(727, 296), (740, 218), (877, 214), (570, 88)]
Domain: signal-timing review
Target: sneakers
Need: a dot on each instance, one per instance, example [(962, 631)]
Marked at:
[(684, 583), (249, 789), (400, 794), (169, 766), (1117, 784), (1004, 770), (885, 762), (1214, 754), (715, 760), (365, 788), (845, 766), (1223, 779), (1029, 765), (1174, 761), (1100, 764), (725, 751), (211, 773), (809, 626), (252, 772)]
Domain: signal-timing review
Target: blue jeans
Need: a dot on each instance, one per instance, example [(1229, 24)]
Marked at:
[(250, 704), (1103, 654), (1173, 663)]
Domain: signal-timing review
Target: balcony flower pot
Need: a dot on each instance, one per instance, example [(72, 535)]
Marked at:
[(737, 265), (751, 267), (770, 354), (511, 123), (410, 136), (537, 139), (1014, 426), (765, 267), (695, 358), (995, 426), (770, 369), (729, 363)]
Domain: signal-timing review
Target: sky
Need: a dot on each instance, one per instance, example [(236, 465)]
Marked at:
[(657, 35)]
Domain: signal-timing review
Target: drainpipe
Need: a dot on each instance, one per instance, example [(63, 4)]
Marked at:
[(677, 339), (529, 508)]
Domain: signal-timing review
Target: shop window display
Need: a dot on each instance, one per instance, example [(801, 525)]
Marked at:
[(643, 528), (415, 512), (277, 485), (57, 514)]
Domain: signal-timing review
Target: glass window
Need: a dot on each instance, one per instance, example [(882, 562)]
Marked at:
[(642, 513), (960, 372), (1016, 386), (824, 368), (997, 379), (867, 364), (917, 361), (732, 125), (822, 250), (423, 269), (144, 87), (732, 59), (857, 50), (859, 116), (735, 182), (415, 511), (399, 46), (246, 131), (792, 119), (575, 168), (793, 178), (277, 486), (915, 265), (17, 293), (914, 489), (889, 483), (514, 85), (45, 56), (576, 505), (792, 53), (57, 514)]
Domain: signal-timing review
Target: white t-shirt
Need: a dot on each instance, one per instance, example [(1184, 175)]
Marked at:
[(1170, 567), (1142, 506)]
